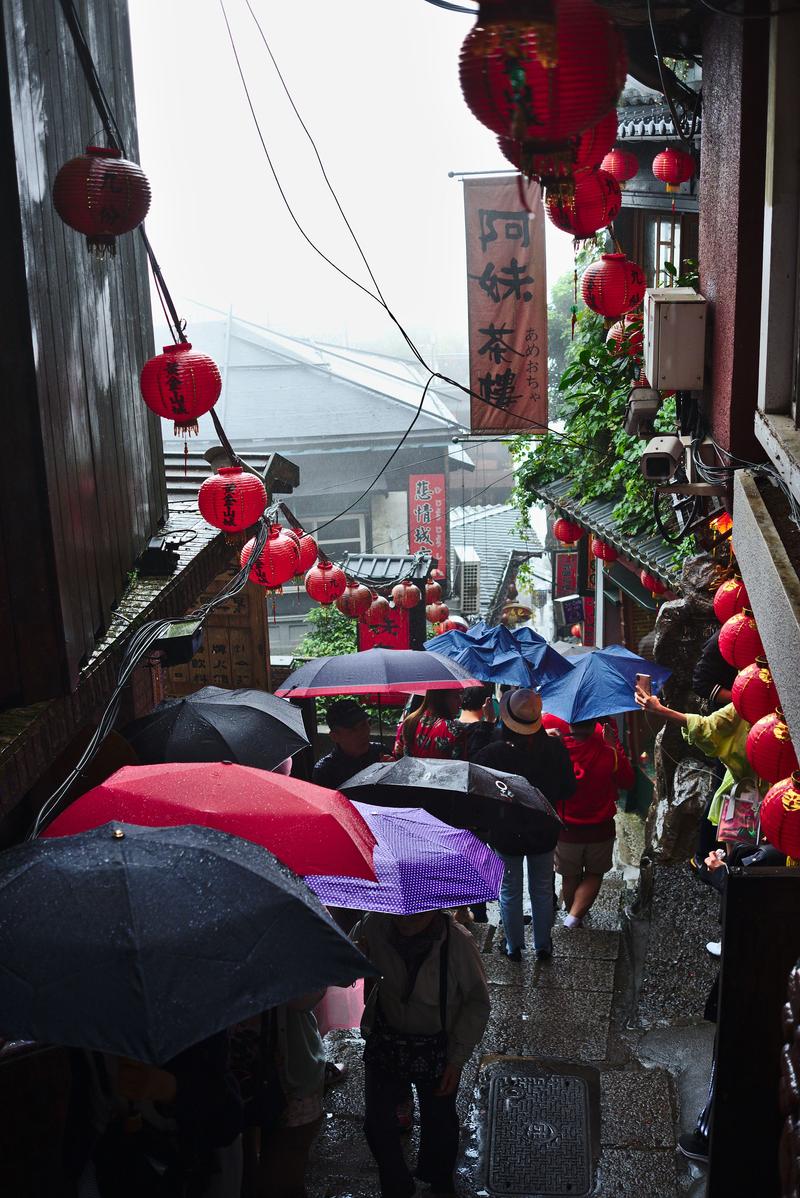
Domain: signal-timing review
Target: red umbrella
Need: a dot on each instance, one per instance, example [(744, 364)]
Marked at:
[(308, 828)]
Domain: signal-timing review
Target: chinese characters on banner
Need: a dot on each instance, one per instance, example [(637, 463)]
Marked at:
[(427, 516), (507, 305)]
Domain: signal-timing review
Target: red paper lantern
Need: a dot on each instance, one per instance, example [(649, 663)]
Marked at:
[(558, 171), (181, 384), (593, 205), (378, 614), (437, 613), (673, 167), (102, 195), (730, 599), (544, 76), (567, 531), (325, 582), (232, 499), (739, 642), (355, 600), (626, 337), (621, 165), (433, 592), (780, 815), (278, 561), (652, 584), (613, 286), (405, 594), (606, 553), (753, 693), (769, 748), (309, 550)]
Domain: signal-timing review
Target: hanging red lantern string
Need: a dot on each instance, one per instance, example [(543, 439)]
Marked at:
[(559, 172), (621, 165), (739, 641), (769, 748), (567, 531), (652, 584), (780, 815), (730, 599), (355, 600), (595, 202), (325, 582), (613, 286), (603, 551), (102, 195), (181, 384), (626, 337), (232, 499), (753, 693), (433, 592), (405, 595), (278, 561)]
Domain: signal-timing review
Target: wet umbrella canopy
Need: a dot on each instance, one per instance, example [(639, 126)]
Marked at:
[(421, 863), (376, 671), (142, 941), (250, 727)]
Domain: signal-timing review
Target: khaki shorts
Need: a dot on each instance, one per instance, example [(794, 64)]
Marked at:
[(572, 859)]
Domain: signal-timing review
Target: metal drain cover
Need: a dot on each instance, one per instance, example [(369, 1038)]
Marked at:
[(538, 1136)]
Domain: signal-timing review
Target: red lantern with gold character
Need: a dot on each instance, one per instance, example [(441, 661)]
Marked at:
[(433, 592), (181, 384), (603, 551), (567, 531), (613, 286), (673, 167), (753, 693), (769, 748), (621, 165), (730, 599), (780, 815), (593, 204), (325, 582), (278, 561), (355, 600), (739, 642), (102, 195), (406, 595), (232, 499)]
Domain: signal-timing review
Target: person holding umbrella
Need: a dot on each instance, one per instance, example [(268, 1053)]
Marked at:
[(526, 749), (352, 748)]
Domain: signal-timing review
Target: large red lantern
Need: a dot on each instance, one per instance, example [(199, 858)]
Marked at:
[(558, 171), (769, 748), (355, 600), (603, 551), (278, 561), (780, 815), (433, 592), (567, 531), (613, 286), (753, 693), (406, 595), (102, 195), (437, 613), (626, 337), (730, 599), (593, 205), (232, 499), (652, 584), (544, 76), (621, 165), (739, 641), (673, 167), (325, 582), (181, 384), (309, 550)]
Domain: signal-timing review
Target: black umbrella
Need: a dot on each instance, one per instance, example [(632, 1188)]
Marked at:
[(506, 811), (142, 941), (248, 727)]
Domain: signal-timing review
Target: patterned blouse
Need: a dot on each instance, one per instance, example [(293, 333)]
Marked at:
[(434, 736)]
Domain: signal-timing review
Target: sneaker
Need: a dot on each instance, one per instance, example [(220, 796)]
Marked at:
[(516, 955), (714, 948), (693, 1145)]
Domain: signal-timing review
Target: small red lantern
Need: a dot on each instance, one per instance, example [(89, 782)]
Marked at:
[(355, 600), (181, 384), (626, 337), (769, 748), (433, 592), (673, 167), (437, 613), (613, 286), (576, 630), (102, 195), (567, 531), (278, 561), (739, 641), (603, 551), (232, 499), (753, 693), (325, 582), (309, 550), (730, 599), (652, 584), (780, 815), (406, 595), (378, 613), (546, 76), (621, 165), (594, 203)]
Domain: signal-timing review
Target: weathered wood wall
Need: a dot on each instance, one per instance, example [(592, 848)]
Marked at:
[(82, 482)]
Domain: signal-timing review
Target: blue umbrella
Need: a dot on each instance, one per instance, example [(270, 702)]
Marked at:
[(596, 686), (520, 658)]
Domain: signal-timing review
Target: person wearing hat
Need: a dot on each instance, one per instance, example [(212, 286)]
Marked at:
[(525, 748), (352, 748)]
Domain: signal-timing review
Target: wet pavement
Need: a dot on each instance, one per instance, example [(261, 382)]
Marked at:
[(589, 1014)]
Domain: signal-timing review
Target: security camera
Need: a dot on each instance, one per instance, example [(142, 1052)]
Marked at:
[(643, 404), (661, 458)]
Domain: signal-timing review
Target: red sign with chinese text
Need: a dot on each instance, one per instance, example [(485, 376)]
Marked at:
[(566, 570), (427, 516), (507, 305), (393, 632)]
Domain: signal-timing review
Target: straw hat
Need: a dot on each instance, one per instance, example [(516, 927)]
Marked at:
[(521, 711)]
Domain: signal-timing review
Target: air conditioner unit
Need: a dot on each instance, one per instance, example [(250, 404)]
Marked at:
[(468, 579)]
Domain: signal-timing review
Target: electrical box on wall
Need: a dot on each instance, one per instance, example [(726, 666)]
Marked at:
[(674, 338)]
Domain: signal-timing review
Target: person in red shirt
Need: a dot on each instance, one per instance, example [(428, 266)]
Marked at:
[(586, 846)]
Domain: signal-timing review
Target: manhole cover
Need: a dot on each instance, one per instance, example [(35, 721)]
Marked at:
[(538, 1136)]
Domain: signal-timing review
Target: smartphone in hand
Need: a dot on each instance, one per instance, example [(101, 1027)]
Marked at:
[(644, 683)]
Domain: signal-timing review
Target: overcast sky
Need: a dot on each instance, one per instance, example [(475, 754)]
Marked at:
[(377, 83)]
